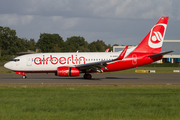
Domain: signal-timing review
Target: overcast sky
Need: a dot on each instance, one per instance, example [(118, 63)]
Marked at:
[(123, 22)]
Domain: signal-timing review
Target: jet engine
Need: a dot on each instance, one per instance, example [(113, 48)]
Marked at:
[(67, 71)]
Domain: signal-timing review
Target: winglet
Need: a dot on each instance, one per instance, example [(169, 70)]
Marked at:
[(121, 56)]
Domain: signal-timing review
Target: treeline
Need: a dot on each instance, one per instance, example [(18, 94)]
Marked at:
[(10, 44), (54, 43)]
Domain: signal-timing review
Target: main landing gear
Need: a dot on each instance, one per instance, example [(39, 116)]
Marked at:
[(87, 76)]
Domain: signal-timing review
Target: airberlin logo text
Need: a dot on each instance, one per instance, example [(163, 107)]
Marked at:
[(156, 36), (73, 59)]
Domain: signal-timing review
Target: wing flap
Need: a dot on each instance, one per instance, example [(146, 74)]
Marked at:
[(100, 64)]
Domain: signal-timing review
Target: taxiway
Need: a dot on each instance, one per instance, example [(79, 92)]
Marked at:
[(97, 79)]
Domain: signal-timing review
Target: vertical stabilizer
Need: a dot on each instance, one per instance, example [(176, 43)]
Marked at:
[(153, 41)]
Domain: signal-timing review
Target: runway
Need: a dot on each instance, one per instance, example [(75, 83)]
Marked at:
[(97, 79)]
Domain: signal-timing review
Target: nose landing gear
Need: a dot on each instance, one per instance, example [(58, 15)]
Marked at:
[(24, 76)]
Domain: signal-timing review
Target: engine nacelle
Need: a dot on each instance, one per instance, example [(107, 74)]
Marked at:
[(67, 71)]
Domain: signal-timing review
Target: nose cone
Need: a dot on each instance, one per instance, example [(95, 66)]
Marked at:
[(7, 65)]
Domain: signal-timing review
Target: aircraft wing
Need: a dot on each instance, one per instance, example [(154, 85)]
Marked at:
[(96, 66)]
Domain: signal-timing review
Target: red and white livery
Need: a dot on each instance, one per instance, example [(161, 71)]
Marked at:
[(72, 64)]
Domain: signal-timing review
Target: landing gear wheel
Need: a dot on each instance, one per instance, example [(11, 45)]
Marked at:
[(24, 77), (87, 76)]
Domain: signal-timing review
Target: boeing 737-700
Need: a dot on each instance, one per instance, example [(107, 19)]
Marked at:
[(72, 64)]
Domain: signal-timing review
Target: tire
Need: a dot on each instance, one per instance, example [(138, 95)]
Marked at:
[(85, 76), (24, 77), (89, 76)]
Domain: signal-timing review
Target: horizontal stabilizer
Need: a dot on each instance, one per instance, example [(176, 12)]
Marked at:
[(160, 54)]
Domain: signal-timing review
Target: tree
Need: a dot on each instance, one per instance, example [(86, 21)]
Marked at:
[(97, 46), (50, 42), (9, 42), (32, 44), (55, 48), (75, 43), (110, 47), (92, 47), (115, 45)]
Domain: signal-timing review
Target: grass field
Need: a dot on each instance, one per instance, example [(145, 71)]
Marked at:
[(89, 102), (5, 71)]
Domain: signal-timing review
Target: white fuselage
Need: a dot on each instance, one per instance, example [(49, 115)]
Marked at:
[(51, 61)]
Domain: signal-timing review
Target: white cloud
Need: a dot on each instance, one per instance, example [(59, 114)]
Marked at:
[(14, 19), (65, 23), (8, 19), (132, 8), (26, 19)]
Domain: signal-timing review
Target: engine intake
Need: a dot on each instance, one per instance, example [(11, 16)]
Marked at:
[(67, 71)]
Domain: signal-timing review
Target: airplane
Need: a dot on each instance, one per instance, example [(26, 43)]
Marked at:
[(72, 64)]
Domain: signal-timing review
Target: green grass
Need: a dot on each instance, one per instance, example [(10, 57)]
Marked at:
[(89, 102), (5, 71)]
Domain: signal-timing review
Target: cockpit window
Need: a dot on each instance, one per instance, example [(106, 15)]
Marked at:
[(15, 60)]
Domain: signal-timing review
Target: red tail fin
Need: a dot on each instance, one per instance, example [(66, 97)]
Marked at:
[(153, 41)]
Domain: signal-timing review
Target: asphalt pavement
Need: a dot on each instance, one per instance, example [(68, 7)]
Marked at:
[(138, 78)]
